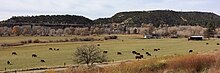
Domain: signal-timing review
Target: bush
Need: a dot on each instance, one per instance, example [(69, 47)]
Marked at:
[(29, 41), (110, 37), (36, 41)]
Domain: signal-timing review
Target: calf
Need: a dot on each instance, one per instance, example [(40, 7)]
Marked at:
[(34, 55), (42, 61), (105, 51), (14, 53), (190, 51), (119, 53)]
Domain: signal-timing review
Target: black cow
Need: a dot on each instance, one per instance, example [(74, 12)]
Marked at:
[(42, 61), (58, 49), (142, 56), (138, 57), (9, 63), (119, 53), (14, 53), (34, 55), (138, 54), (155, 49), (217, 43), (134, 52), (105, 51), (207, 43), (50, 48), (158, 49), (190, 51), (98, 44), (142, 49)]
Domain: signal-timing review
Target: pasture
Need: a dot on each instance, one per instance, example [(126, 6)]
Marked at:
[(24, 59)]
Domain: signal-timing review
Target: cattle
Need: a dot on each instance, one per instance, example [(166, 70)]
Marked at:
[(134, 52), (190, 51), (42, 61), (98, 44), (105, 51), (142, 49), (207, 43), (138, 54), (138, 57), (142, 56), (54, 49), (34, 55), (50, 48), (158, 49), (217, 43), (155, 49), (119, 53), (148, 54), (57, 49), (122, 40), (14, 53), (9, 63)]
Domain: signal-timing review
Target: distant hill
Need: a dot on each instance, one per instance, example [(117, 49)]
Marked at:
[(133, 18), (157, 17), (50, 19)]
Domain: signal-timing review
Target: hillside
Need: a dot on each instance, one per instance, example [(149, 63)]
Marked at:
[(133, 18), (157, 17), (50, 19)]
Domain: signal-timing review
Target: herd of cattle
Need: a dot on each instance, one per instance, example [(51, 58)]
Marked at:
[(137, 54), (33, 55)]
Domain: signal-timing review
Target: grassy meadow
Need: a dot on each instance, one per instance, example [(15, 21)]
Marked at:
[(65, 55)]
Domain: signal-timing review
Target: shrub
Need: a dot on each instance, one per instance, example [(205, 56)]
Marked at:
[(29, 41), (36, 41), (110, 37)]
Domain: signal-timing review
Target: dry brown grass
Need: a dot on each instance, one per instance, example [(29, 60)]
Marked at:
[(193, 63)]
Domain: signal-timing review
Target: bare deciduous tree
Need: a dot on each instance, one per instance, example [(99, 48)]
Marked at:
[(89, 54)]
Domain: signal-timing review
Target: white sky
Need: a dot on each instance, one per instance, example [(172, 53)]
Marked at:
[(94, 9)]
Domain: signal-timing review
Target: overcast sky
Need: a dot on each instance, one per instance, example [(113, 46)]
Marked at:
[(100, 8)]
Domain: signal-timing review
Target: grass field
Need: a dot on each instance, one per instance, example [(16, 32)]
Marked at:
[(131, 42)]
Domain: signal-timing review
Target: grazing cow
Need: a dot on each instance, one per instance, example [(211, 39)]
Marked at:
[(147, 53), (142, 56), (58, 49), (155, 49), (54, 49), (105, 51), (34, 55), (142, 49), (190, 51), (50, 48), (138, 54), (119, 53), (134, 52), (207, 43), (138, 57), (158, 49), (9, 63), (42, 61), (217, 43), (14, 53), (98, 44)]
